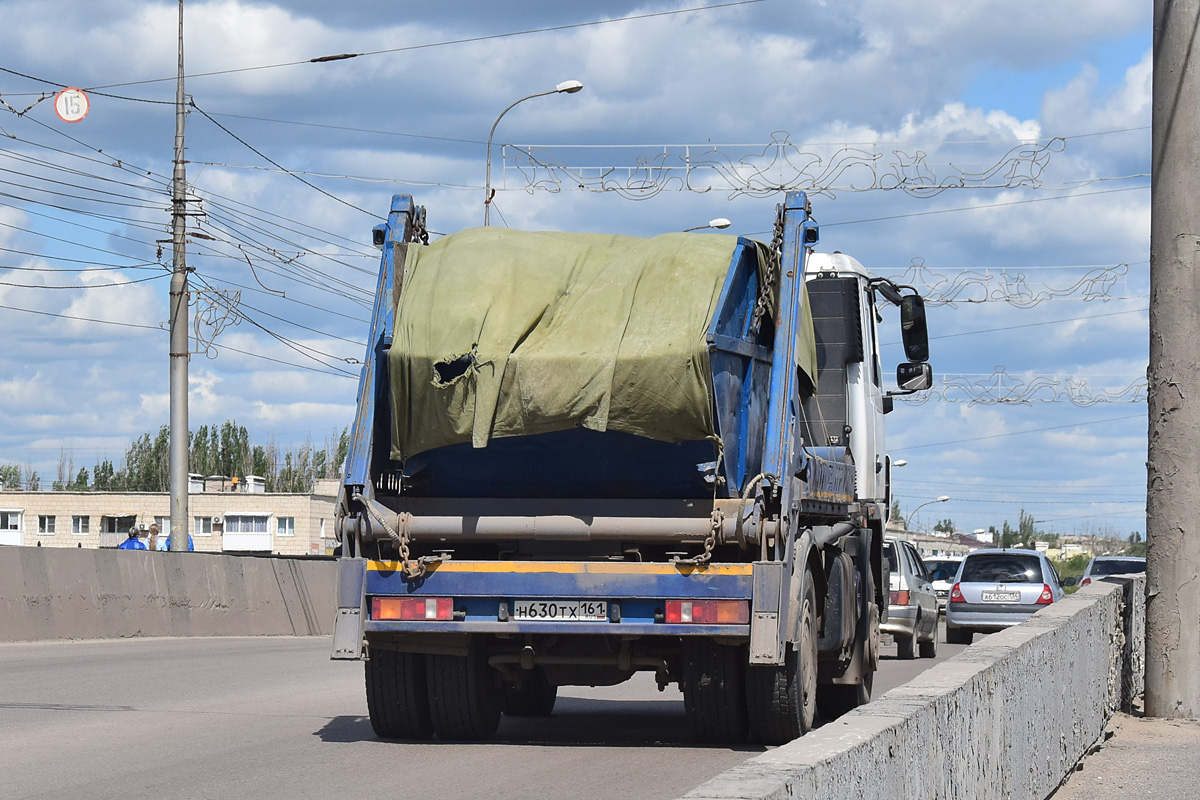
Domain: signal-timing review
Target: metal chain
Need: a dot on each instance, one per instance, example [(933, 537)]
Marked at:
[(420, 233), (400, 537), (710, 541), (774, 265)]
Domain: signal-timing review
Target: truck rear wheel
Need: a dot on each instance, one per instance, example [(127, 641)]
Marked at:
[(783, 699), (464, 701), (714, 694), (835, 699), (533, 697), (397, 699)]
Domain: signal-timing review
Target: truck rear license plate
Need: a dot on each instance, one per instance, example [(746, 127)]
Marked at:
[(1001, 597), (560, 610)]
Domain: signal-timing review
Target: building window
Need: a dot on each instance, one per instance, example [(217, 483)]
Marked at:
[(203, 526), (10, 520), (81, 525), (243, 523), (286, 526), (164, 526), (45, 524)]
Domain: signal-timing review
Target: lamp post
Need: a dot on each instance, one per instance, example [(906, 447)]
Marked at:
[(941, 499), (720, 223), (566, 87)]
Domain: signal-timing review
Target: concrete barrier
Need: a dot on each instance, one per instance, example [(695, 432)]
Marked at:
[(53, 593), (1007, 718)]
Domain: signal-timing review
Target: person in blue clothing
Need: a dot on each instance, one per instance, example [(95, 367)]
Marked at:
[(133, 542), (166, 543)]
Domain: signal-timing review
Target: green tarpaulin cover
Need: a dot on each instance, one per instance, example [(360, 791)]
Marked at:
[(508, 333)]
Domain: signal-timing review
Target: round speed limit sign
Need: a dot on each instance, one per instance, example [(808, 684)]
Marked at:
[(71, 104)]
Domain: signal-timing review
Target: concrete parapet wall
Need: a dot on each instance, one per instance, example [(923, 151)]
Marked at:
[(52, 593), (1007, 718)]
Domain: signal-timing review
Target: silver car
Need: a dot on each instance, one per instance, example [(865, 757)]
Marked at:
[(913, 611), (996, 589)]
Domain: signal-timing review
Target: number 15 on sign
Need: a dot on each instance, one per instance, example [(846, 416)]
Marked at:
[(71, 104)]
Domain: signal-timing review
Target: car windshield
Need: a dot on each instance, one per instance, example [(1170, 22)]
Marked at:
[(943, 572), (1001, 568), (1117, 566)]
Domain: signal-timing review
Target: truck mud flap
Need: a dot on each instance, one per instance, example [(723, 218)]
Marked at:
[(348, 623), (766, 631)]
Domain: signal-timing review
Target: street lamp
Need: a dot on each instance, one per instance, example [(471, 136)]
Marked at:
[(566, 87), (941, 499), (720, 223)]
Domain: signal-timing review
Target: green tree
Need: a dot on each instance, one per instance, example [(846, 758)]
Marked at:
[(897, 517), (80, 484), (1027, 535), (945, 526), (1008, 536), (104, 477), (10, 474)]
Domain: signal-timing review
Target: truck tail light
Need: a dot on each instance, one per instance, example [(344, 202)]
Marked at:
[(1046, 597), (899, 598), (412, 608), (708, 612), (956, 595)]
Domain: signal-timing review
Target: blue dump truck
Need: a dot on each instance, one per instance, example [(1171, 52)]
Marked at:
[(580, 456)]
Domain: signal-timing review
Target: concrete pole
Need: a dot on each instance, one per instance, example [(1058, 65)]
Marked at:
[(179, 325), (1173, 464)]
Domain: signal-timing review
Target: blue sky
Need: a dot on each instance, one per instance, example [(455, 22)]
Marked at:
[(1041, 111)]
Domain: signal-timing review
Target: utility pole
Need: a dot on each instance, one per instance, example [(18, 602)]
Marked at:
[(1173, 463), (179, 325)]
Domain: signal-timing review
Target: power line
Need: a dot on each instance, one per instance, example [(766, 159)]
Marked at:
[(469, 40), (1019, 433), (84, 285), (984, 205), (267, 158), (81, 319)]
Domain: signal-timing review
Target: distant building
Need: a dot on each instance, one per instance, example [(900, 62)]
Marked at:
[(227, 515), (940, 545)]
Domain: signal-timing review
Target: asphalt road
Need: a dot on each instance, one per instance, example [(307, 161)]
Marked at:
[(273, 717)]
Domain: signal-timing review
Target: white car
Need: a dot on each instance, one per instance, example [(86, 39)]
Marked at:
[(941, 575)]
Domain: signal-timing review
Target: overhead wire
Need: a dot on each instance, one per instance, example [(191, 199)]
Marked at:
[(467, 40), (1018, 433)]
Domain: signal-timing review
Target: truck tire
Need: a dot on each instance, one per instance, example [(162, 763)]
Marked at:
[(464, 701), (714, 691), (534, 697), (783, 699), (835, 699), (905, 646), (397, 699)]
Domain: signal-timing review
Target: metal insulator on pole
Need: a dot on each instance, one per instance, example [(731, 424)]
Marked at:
[(1173, 457), (179, 325)]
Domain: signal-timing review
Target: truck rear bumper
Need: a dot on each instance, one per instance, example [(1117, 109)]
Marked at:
[(483, 594)]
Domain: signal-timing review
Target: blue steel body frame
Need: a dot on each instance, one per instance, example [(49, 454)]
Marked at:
[(784, 393), (740, 368), (365, 441)]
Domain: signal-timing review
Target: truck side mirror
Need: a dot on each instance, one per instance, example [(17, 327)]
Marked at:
[(914, 377), (913, 329)]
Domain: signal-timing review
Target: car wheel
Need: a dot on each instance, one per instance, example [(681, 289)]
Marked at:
[(929, 648), (905, 646)]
